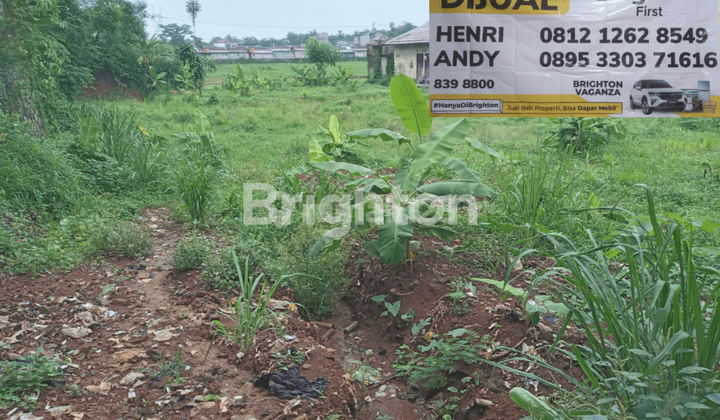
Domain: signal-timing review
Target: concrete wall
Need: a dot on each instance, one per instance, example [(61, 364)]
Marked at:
[(406, 57)]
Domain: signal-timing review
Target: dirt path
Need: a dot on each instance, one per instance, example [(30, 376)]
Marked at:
[(135, 340)]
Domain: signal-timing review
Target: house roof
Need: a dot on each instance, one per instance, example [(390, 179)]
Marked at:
[(224, 41), (419, 35)]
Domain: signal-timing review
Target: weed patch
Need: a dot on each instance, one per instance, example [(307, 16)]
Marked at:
[(22, 380), (190, 254), (120, 239)]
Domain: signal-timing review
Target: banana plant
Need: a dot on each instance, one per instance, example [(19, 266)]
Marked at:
[(88, 134), (259, 79), (184, 81), (332, 144), (199, 139), (235, 82), (396, 229), (156, 79)]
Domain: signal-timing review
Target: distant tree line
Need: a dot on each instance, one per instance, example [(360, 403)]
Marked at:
[(178, 34), (53, 49)]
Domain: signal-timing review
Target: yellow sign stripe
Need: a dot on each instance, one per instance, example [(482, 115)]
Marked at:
[(501, 7)]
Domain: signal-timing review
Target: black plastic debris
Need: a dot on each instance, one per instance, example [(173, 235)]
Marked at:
[(54, 383), (432, 393), (289, 384)]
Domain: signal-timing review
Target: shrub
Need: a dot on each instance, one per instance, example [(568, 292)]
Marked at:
[(581, 134), (190, 254), (220, 271), (194, 182), (200, 167), (117, 152), (120, 239), (35, 174), (325, 280)]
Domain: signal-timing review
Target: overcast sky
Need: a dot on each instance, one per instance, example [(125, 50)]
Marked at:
[(275, 18)]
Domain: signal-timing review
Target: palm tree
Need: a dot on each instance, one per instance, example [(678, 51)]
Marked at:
[(192, 7)]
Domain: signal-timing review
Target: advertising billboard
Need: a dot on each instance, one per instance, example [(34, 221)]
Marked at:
[(535, 58)]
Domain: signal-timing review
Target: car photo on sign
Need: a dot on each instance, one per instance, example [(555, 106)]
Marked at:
[(656, 95), (650, 95)]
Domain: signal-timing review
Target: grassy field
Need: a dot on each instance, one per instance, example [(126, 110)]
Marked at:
[(75, 197), (282, 70), (270, 131), (266, 134)]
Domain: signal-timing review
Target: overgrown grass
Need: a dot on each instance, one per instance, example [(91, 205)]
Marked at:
[(269, 132), (121, 239), (190, 254), (325, 279), (246, 319), (650, 321)]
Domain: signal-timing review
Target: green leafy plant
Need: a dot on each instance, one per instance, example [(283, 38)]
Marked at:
[(260, 80), (392, 308), (459, 297), (184, 80), (322, 55), (435, 361), (195, 69), (411, 105), (156, 80), (333, 145), (118, 133), (190, 254), (416, 328), (325, 281), (22, 381), (331, 416), (171, 367), (583, 134), (541, 190), (396, 230), (115, 140), (74, 390), (292, 357), (196, 175), (343, 77), (363, 373), (307, 76), (409, 316), (220, 270), (37, 175), (248, 319), (148, 159), (538, 408), (120, 239), (236, 82)]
